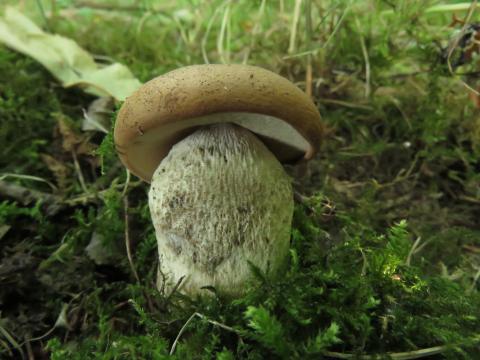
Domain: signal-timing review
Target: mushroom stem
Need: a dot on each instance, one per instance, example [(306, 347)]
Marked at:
[(219, 200)]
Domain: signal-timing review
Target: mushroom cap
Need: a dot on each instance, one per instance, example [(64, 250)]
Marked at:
[(170, 107)]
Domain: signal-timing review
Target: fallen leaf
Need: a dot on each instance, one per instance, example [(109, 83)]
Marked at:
[(65, 59), (71, 139), (59, 170), (98, 115)]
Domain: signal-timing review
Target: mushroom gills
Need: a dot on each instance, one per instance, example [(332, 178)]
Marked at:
[(219, 200)]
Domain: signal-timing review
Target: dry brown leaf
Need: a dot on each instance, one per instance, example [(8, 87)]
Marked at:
[(59, 170), (71, 139)]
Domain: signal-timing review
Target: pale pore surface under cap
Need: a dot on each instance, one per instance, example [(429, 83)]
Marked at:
[(219, 199)]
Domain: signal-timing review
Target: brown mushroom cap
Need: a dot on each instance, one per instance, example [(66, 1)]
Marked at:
[(170, 107)]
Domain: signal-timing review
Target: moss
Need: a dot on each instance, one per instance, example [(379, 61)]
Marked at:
[(384, 254)]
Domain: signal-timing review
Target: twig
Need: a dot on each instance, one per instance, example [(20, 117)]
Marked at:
[(54, 203), (180, 333), (29, 351), (127, 239), (27, 196), (175, 288), (203, 317), (301, 199), (49, 331), (417, 354), (129, 252), (472, 248), (127, 183), (469, 199), (61, 322), (216, 323), (81, 179), (28, 177)]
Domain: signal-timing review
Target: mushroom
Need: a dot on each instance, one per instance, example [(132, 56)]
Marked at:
[(211, 139)]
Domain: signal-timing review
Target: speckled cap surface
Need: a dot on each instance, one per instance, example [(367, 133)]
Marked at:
[(170, 107)]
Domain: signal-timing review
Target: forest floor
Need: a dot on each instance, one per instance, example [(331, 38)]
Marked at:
[(385, 251)]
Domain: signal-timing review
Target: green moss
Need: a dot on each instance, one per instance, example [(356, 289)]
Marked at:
[(384, 253)]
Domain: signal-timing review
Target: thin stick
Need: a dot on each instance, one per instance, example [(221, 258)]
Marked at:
[(417, 354), (53, 203), (78, 170), (180, 333), (129, 252), (203, 317), (175, 288), (27, 196), (127, 183), (29, 351), (127, 239), (216, 323), (28, 177)]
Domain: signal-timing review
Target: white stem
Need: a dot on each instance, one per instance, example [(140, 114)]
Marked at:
[(218, 200)]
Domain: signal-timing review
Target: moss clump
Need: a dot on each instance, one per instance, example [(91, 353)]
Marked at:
[(359, 295)]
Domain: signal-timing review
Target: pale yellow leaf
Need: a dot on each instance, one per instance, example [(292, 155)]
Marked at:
[(64, 58)]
